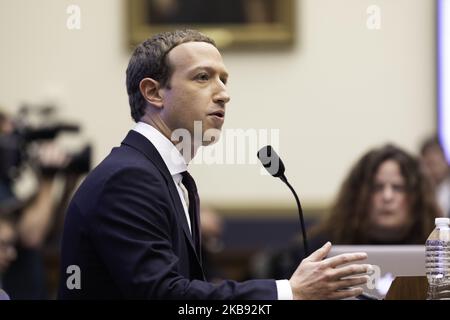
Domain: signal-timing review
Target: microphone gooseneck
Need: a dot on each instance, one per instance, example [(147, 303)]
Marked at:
[(300, 214), (273, 164)]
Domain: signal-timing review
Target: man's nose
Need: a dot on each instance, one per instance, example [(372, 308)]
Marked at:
[(222, 97)]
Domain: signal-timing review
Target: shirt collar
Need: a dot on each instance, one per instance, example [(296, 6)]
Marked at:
[(170, 155)]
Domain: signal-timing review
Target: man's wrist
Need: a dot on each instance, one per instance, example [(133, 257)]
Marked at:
[(284, 290)]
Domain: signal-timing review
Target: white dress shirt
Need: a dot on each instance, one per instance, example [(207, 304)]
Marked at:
[(176, 165)]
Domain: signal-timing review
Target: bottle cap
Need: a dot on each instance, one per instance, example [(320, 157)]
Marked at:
[(442, 221)]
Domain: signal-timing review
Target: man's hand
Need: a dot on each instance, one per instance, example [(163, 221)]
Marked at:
[(36, 219), (316, 278)]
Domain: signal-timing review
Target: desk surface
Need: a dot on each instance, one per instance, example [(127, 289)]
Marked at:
[(408, 288)]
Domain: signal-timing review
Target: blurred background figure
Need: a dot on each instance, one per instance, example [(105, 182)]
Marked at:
[(211, 227), (438, 171), (3, 295), (8, 235), (8, 251), (385, 199), (30, 220)]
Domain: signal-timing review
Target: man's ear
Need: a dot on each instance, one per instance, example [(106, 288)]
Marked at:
[(150, 91)]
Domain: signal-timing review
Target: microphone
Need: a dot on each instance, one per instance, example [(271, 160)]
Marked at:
[(273, 164)]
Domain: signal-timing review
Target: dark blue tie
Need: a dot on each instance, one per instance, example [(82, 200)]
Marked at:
[(194, 209)]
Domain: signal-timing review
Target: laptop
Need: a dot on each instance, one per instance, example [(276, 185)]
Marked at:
[(388, 261)]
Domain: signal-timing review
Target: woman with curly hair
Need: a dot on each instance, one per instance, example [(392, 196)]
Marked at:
[(385, 199)]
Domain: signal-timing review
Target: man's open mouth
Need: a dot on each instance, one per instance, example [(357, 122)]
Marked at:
[(219, 114)]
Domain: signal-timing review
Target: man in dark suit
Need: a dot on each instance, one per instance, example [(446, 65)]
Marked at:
[(132, 228)]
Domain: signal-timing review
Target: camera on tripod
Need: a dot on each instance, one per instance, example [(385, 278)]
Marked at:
[(20, 138)]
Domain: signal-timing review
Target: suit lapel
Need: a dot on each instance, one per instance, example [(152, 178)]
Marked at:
[(137, 141)]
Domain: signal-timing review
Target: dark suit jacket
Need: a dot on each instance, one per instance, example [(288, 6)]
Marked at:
[(126, 230)]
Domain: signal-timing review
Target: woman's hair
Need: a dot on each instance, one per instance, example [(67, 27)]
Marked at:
[(348, 222)]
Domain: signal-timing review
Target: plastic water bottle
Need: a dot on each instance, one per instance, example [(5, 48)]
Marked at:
[(437, 265)]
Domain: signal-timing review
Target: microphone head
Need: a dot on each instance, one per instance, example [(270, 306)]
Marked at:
[(271, 161)]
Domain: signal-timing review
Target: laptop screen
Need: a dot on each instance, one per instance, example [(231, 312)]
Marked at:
[(389, 261)]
